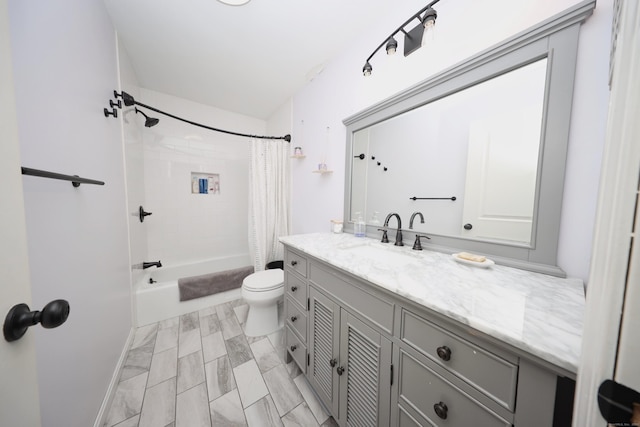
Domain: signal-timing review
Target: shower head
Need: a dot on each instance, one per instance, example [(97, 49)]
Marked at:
[(148, 121)]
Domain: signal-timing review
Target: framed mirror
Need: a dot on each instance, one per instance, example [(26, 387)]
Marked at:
[(478, 149)]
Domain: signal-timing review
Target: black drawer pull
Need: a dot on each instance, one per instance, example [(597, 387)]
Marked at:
[(293, 347), (441, 410), (294, 318), (444, 353), (333, 362), (340, 370), (294, 263), (294, 288)]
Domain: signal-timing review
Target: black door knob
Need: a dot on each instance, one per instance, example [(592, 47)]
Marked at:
[(441, 410), (294, 318), (468, 226), (294, 288), (20, 317), (340, 370), (333, 362), (293, 348), (294, 263)]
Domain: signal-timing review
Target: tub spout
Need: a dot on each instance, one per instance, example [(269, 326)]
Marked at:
[(151, 264)]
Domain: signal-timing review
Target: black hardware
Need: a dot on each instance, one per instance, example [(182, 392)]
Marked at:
[(398, 241), (294, 263), (441, 410), (151, 281), (385, 239), (294, 318), (361, 156), (433, 198), (340, 370), (294, 288), (413, 215), (391, 374), (468, 226), (417, 245), (113, 112), (151, 264), (308, 304), (385, 168), (115, 104), (444, 353), (293, 348), (333, 362), (616, 402), (142, 213), (20, 317), (130, 101), (149, 122), (378, 163), (75, 179), (373, 157), (308, 359)]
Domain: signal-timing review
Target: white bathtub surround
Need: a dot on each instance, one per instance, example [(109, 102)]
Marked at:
[(161, 300), (536, 313), (269, 200)]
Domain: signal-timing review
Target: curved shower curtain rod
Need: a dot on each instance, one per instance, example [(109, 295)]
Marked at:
[(130, 101)]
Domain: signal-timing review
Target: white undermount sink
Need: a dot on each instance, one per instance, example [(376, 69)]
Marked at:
[(393, 255)]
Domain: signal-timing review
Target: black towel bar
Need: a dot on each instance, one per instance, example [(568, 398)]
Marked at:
[(433, 198), (75, 179)]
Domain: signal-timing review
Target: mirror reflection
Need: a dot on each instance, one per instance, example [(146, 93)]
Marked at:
[(480, 145)]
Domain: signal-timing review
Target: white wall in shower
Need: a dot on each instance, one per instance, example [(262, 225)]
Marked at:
[(341, 91), (187, 227), (132, 129)]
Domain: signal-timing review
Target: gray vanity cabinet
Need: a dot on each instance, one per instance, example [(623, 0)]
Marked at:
[(349, 364), (377, 359)]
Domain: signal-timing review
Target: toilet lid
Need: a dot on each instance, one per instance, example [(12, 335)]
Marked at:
[(264, 280)]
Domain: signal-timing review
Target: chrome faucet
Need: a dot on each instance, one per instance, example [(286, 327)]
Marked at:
[(151, 264), (399, 232), (413, 216)]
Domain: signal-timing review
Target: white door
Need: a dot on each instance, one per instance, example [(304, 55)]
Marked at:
[(612, 319), (505, 145), (19, 403)]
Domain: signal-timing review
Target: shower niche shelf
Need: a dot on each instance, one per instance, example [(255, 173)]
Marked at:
[(322, 172), (205, 183)]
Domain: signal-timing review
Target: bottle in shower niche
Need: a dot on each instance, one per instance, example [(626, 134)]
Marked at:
[(360, 228)]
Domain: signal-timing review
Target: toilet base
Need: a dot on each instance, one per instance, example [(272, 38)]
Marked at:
[(262, 320)]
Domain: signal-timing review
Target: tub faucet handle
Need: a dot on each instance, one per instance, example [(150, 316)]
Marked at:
[(151, 264)]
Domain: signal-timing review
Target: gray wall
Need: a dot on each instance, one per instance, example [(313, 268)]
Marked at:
[(65, 71)]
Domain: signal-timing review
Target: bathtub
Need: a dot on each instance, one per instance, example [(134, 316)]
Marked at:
[(161, 300)]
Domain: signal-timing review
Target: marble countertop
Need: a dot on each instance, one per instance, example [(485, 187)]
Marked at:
[(539, 314)]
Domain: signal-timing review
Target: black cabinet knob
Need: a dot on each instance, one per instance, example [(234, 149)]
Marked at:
[(468, 226), (294, 288), (441, 410), (333, 362), (294, 263), (293, 347), (444, 353), (20, 317), (340, 370), (294, 318), (142, 213)]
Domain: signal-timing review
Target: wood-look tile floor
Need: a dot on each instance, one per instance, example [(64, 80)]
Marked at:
[(200, 369)]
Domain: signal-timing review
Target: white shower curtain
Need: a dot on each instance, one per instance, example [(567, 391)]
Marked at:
[(269, 200)]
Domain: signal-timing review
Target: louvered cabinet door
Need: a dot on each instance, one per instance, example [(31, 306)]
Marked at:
[(323, 341), (365, 379)]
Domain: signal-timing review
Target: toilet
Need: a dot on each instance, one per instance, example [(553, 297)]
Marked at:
[(262, 291)]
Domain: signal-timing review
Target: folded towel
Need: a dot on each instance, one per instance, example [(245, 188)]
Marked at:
[(472, 257), (209, 284)]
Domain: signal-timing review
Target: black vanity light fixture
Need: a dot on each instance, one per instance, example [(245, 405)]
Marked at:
[(412, 38), (129, 101)]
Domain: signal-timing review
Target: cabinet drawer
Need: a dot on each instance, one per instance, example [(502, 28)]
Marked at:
[(296, 262), (491, 374), (296, 349), (422, 389), (295, 288), (296, 318), (379, 311)]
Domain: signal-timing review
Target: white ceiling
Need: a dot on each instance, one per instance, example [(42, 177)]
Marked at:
[(247, 59)]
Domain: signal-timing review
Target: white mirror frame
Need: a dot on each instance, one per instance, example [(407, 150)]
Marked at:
[(556, 39)]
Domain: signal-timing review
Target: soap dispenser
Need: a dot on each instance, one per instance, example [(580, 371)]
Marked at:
[(360, 227)]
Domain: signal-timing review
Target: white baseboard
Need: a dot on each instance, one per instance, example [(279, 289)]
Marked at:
[(108, 398)]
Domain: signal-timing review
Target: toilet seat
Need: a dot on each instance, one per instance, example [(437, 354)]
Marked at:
[(263, 281)]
